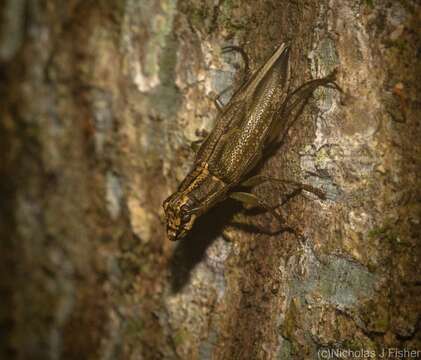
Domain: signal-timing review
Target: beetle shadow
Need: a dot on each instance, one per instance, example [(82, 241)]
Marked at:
[(191, 250)]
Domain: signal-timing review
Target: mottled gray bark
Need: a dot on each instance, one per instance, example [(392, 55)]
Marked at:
[(100, 103)]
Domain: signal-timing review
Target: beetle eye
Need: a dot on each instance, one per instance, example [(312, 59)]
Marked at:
[(184, 208), (185, 217)]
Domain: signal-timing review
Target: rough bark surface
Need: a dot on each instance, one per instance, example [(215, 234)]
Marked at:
[(100, 102)]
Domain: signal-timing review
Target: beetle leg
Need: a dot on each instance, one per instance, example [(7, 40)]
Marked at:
[(261, 230), (260, 179), (218, 103), (226, 49), (250, 201), (245, 57), (306, 90), (217, 100), (302, 95)]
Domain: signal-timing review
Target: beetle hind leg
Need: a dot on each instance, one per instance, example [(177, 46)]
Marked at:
[(246, 72), (304, 92), (260, 179), (250, 201), (244, 56)]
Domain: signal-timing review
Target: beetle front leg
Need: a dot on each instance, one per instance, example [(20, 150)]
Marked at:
[(250, 201), (260, 179)]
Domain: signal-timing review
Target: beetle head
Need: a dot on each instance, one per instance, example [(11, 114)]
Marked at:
[(180, 213)]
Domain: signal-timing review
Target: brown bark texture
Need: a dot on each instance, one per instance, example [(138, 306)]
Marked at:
[(100, 104)]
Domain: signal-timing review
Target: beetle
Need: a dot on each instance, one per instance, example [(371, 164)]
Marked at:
[(248, 125)]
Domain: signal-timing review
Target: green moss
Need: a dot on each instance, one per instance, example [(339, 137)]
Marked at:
[(162, 27), (135, 327), (401, 44), (230, 22), (376, 316), (198, 16), (356, 344), (181, 336), (291, 319), (360, 344), (322, 157), (382, 321), (166, 98), (383, 233), (369, 3), (286, 350)]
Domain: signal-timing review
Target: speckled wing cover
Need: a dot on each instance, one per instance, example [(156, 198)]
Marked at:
[(244, 126)]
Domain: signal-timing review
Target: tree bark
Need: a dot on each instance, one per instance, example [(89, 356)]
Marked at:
[(101, 101)]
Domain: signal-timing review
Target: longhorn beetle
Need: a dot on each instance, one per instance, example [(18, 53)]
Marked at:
[(250, 122)]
